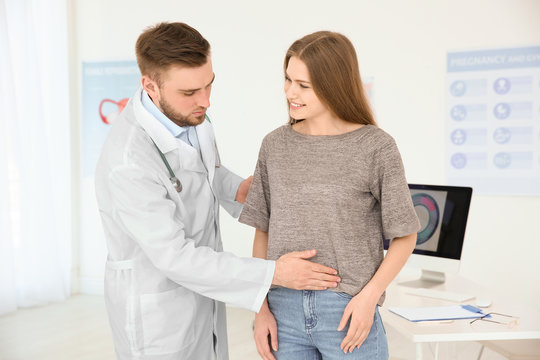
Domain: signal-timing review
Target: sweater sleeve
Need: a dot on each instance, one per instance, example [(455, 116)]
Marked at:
[(389, 186), (256, 210)]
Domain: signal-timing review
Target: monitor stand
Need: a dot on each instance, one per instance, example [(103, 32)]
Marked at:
[(428, 279)]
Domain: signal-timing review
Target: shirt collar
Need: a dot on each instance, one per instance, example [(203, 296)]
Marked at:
[(168, 123)]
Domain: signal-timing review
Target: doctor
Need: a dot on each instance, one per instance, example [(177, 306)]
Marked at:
[(159, 185)]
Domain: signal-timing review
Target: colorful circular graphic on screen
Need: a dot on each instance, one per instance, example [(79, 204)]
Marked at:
[(428, 212)]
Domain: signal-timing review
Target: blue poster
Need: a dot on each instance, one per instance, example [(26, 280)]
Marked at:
[(493, 120), (106, 89)]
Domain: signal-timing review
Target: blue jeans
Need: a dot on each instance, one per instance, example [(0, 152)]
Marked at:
[(307, 324)]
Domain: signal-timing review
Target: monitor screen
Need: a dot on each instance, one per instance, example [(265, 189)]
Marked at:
[(443, 212)]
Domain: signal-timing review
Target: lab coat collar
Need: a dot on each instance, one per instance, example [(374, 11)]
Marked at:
[(166, 142), (163, 138), (207, 141)]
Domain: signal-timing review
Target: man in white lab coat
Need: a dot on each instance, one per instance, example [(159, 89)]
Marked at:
[(159, 185)]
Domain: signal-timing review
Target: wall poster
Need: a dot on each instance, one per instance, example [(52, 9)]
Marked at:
[(493, 120), (106, 89)]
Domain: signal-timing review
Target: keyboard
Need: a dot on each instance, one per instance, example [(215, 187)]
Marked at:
[(439, 294)]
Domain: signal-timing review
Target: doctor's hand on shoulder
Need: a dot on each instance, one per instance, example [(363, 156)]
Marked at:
[(294, 271), (243, 190)]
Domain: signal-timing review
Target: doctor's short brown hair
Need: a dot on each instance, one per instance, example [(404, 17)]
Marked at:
[(332, 65), (166, 44)]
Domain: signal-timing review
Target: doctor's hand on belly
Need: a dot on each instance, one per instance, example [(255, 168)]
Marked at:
[(293, 271)]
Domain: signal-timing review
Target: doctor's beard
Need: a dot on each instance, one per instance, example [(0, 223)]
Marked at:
[(179, 119)]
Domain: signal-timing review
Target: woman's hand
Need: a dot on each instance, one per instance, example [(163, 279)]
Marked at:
[(360, 310), (265, 325)]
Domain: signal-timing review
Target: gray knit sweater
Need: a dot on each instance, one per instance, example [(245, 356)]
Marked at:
[(337, 194)]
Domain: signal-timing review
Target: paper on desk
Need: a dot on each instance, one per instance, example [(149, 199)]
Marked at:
[(437, 313)]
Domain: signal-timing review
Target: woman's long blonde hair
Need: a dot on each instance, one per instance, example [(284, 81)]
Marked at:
[(333, 69)]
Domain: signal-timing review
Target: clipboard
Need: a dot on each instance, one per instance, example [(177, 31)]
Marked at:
[(438, 313)]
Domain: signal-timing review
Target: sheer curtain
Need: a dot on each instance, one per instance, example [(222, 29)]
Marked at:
[(35, 182)]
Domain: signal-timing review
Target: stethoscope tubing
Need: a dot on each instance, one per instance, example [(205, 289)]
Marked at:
[(174, 180)]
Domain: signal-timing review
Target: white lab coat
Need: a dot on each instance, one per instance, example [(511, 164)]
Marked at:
[(166, 274)]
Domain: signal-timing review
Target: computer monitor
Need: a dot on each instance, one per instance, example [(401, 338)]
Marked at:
[(443, 212)]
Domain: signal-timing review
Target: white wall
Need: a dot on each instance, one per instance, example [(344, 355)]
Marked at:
[(401, 44)]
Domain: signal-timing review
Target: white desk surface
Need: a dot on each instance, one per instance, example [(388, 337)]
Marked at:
[(460, 330)]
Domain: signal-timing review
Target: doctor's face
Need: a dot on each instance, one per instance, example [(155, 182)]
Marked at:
[(184, 94)]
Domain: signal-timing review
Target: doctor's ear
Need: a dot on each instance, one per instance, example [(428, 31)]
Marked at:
[(150, 86)]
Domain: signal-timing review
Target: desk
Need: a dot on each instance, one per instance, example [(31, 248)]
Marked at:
[(458, 330)]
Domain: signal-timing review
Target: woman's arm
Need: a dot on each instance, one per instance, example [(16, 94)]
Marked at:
[(362, 307), (398, 252), (260, 244), (265, 324)]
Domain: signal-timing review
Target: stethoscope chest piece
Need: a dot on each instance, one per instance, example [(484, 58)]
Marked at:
[(176, 183)]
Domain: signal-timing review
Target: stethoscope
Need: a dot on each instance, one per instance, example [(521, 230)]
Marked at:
[(174, 180)]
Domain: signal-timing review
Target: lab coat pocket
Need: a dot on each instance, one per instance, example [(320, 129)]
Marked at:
[(167, 320)]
